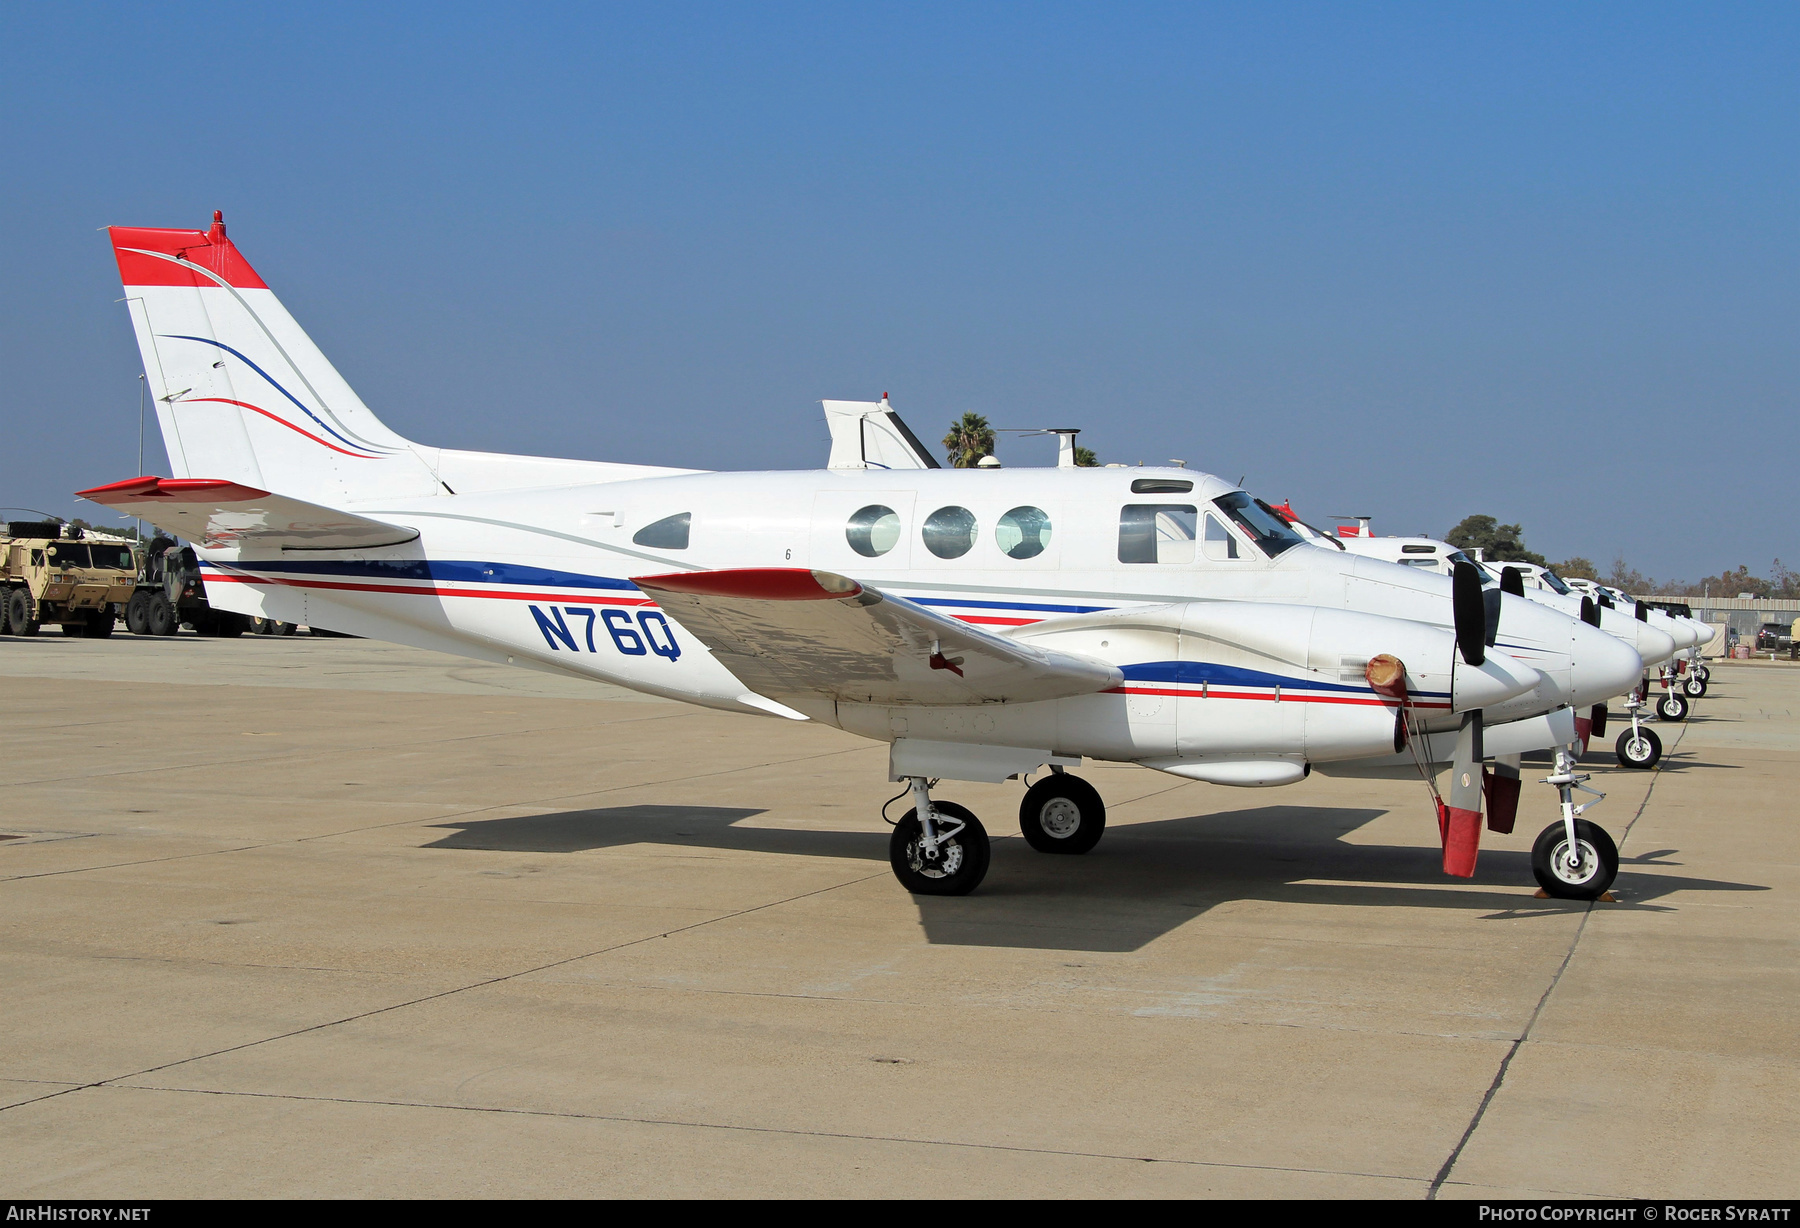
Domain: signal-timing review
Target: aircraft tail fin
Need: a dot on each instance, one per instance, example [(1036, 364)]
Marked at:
[(241, 392)]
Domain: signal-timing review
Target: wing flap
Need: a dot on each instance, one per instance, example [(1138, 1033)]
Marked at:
[(218, 514), (792, 631)]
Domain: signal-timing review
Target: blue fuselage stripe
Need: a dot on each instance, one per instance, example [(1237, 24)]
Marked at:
[(462, 571)]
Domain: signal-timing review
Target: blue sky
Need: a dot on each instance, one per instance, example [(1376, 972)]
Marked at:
[(1415, 261)]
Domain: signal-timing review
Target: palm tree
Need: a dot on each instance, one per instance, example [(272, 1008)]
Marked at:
[(968, 441), (1085, 458)]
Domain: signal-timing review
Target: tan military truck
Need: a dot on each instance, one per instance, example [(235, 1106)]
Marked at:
[(74, 581)]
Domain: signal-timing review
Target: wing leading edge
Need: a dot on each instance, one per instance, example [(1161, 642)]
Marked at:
[(796, 632)]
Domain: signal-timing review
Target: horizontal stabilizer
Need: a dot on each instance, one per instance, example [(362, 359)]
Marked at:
[(787, 631), (222, 515)]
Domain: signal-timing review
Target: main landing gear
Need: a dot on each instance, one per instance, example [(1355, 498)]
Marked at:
[(939, 848), (1573, 859), (1062, 814)]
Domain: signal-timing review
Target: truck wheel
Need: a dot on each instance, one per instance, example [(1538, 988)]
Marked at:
[(230, 625), (159, 616), (137, 614), (5, 612), (100, 622), (75, 631), (21, 612)]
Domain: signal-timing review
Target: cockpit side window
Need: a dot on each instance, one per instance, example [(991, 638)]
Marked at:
[(1221, 546), (1556, 583), (669, 533), (1256, 518), (1157, 532)]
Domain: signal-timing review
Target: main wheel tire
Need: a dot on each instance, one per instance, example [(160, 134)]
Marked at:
[(159, 616), (137, 614), (1694, 687), (21, 613), (1551, 865), (1672, 707), (1062, 814), (962, 860), (1642, 749)]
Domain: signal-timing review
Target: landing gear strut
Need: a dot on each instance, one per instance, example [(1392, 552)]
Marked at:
[(1573, 859), (1672, 705), (1638, 747), (938, 848)]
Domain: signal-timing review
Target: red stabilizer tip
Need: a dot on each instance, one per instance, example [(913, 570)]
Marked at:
[(1462, 840)]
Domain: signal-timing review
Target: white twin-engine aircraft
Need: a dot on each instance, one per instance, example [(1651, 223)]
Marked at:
[(983, 623)]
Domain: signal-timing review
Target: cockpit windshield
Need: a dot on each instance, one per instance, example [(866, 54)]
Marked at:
[(1487, 577), (1264, 525), (1555, 583)]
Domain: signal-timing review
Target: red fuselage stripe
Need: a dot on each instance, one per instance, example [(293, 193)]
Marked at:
[(1287, 697), (434, 590)]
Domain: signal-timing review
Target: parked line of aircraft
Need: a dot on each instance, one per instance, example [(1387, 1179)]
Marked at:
[(986, 624)]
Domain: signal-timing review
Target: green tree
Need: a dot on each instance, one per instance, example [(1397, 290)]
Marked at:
[(969, 440), (1576, 568), (1085, 458), (1499, 543), (1629, 580)]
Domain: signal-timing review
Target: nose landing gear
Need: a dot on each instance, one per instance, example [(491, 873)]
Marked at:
[(1573, 859), (1638, 747), (938, 848)]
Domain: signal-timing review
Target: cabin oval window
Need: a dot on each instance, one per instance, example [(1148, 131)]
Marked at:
[(873, 531), (949, 532), (1023, 533), (669, 533)]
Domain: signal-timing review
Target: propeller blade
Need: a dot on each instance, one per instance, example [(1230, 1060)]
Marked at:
[(1643, 612), (1470, 613), (1590, 613), (1460, 819), (1512, 582), (1597, 722)]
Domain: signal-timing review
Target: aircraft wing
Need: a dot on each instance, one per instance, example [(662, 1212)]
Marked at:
[(791, 631), (219, 514)]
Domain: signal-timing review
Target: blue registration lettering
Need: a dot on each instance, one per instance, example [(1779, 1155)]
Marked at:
[(554, 628), (624, 636), (670, 650)]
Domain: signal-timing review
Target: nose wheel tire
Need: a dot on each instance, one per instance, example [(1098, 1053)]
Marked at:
[(1639, 748), (1568, 876), (1694, 687), (961, 861), (1672, 707), (1062, 814), (1703, 673)]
